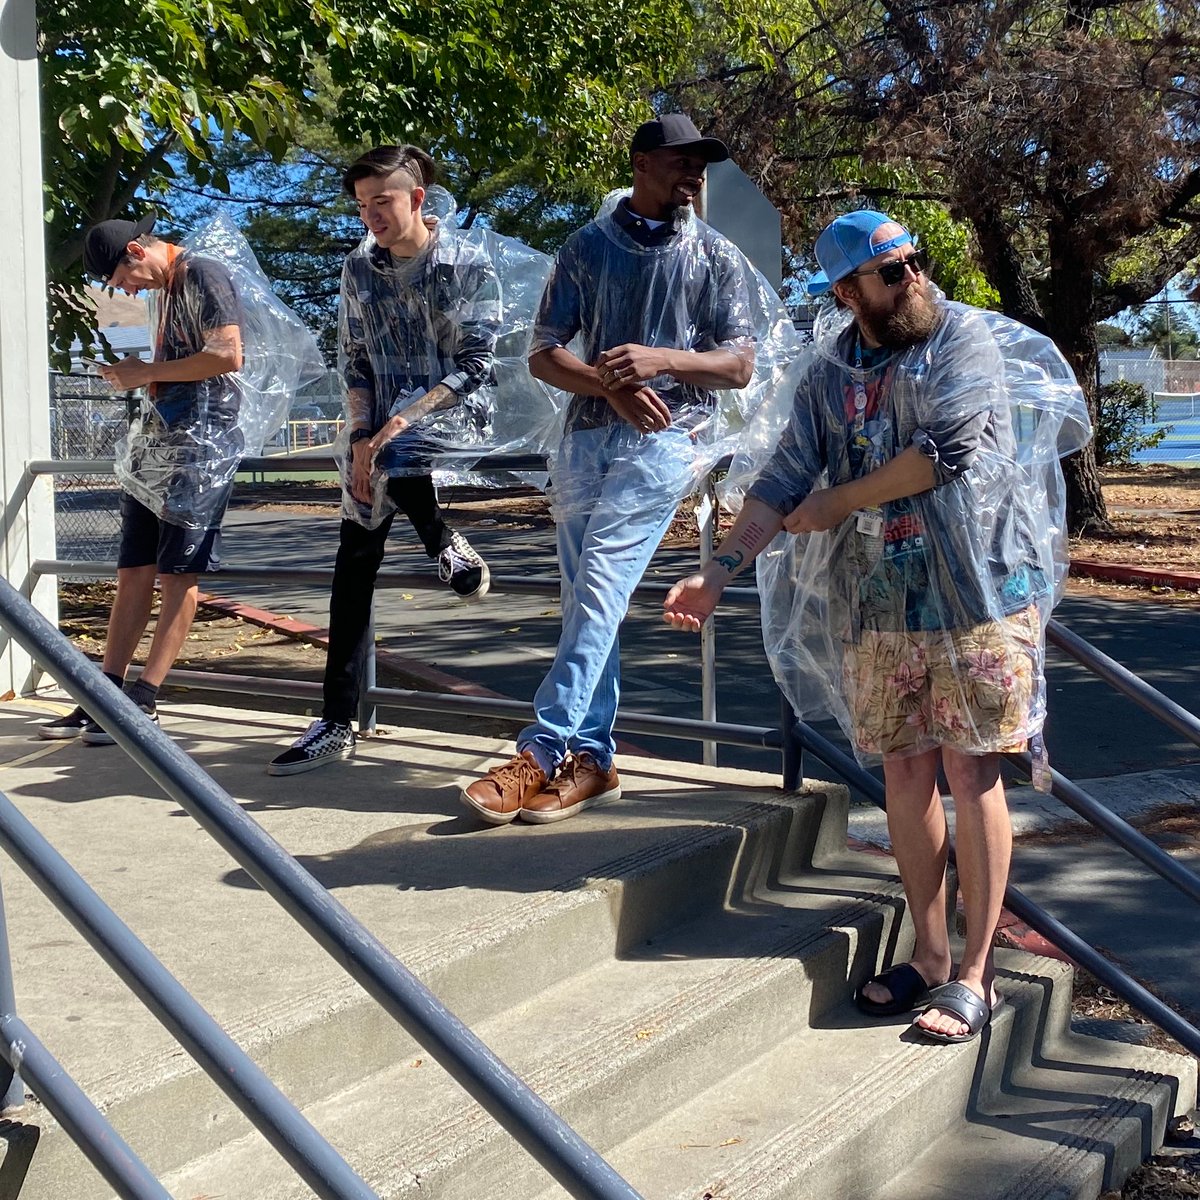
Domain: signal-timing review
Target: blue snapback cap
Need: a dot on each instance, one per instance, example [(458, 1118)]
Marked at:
[(845, 244)]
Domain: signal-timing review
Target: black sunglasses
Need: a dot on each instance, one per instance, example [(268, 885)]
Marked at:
[(891, 273)]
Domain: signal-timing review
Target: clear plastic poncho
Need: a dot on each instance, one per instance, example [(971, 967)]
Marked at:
[(182, 451), (458, 314), (691, 291), (924, 627)]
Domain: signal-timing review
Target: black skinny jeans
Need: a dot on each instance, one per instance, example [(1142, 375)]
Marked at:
[(360, 553)]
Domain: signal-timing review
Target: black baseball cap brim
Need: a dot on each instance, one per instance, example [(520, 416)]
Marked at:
[(104, 245), (674, 131)]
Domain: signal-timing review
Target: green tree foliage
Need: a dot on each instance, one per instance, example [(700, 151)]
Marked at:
[(1108, 334), (137, 92), (1169, 328), (1123, 408), (1066, 136)]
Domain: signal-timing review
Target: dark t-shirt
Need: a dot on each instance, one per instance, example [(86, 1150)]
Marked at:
[(199, 298)]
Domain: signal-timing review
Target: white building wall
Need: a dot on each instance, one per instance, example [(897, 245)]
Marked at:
[(27, 525)]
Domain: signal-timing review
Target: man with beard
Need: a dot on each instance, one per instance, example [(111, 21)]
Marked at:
[(928, 585), (660, 305)]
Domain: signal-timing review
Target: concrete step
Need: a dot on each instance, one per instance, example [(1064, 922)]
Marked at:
[(1069, 1122), (843, 1108), (610, 1048), (672, 972), (325, 1035)]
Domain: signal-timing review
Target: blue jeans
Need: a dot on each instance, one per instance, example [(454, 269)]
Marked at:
[(614, 492)]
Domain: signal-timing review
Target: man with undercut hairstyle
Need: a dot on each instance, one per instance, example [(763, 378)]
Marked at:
[(419, 313), (920, 468)]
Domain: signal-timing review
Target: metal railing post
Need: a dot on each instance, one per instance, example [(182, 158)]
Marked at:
[(14, 1090), (791, 745), (367, 712), (706, 519)]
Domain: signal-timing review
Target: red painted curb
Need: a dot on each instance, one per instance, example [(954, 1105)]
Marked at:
[(1121, 573), (430, 678), (314, 635)]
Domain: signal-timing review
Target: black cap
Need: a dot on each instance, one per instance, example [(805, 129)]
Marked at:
[(677, 131), (104, 245)]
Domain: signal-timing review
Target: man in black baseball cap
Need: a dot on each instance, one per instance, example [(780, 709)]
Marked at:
[(674, 131), (107, 243), (655, 307), (187, 430)]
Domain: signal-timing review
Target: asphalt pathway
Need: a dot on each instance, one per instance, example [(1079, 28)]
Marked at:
[(506, 643)]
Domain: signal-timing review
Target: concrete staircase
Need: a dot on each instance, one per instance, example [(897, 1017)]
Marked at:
[(685, 1004)]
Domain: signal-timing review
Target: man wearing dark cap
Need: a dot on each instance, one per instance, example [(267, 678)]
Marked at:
[(920, 468), (659, 304), (192, 401)]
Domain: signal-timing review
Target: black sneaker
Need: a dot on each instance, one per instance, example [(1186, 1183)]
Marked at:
[(322, 742), (70, 726), (96, 735), (463, 569)]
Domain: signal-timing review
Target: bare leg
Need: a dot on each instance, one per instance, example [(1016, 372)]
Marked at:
[(129, 617), (983, 846), (175, 614), (917, 827)]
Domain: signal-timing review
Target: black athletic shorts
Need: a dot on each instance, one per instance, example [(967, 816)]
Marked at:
[(175, 550)]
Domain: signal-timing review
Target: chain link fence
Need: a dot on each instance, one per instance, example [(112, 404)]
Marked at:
[(1173, 389), (87, 418)]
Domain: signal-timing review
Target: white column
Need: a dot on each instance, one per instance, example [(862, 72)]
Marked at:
[(27, 525)]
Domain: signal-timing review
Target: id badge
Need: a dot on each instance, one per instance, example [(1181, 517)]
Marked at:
[(869, 522)]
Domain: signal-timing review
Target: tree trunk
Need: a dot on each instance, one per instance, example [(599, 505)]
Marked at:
[(1071, 322)]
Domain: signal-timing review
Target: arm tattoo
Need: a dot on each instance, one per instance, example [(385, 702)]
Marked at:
[(729, 562), (751, 535)]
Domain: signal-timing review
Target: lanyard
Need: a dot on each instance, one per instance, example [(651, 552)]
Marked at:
[(860, 391)]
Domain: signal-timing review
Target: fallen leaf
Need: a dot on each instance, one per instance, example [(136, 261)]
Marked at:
[(643, 1034), (406, 595)]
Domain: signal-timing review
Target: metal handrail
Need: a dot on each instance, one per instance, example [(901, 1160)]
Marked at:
[(1118, 829), (685, 728), (514, 463), (230, 1067), (66, 1102), (513, 585), (1036, 917), (1159, 706), (541, 1131)]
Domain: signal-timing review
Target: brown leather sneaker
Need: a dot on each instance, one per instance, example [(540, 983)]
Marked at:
[(499, 795), (579, 784)]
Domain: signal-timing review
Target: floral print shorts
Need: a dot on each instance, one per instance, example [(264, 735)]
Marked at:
[(970, 689)]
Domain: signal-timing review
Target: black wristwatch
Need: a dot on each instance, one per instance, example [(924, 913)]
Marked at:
[(357, 435)]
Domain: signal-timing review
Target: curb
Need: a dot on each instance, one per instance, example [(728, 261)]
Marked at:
[(1121, 573), (430, 678)]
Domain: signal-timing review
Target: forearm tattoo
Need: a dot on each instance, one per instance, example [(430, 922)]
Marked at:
[(748, 540)]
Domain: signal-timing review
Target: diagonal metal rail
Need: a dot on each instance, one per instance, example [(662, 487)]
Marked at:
[(230, 1067), (514, 1105)]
